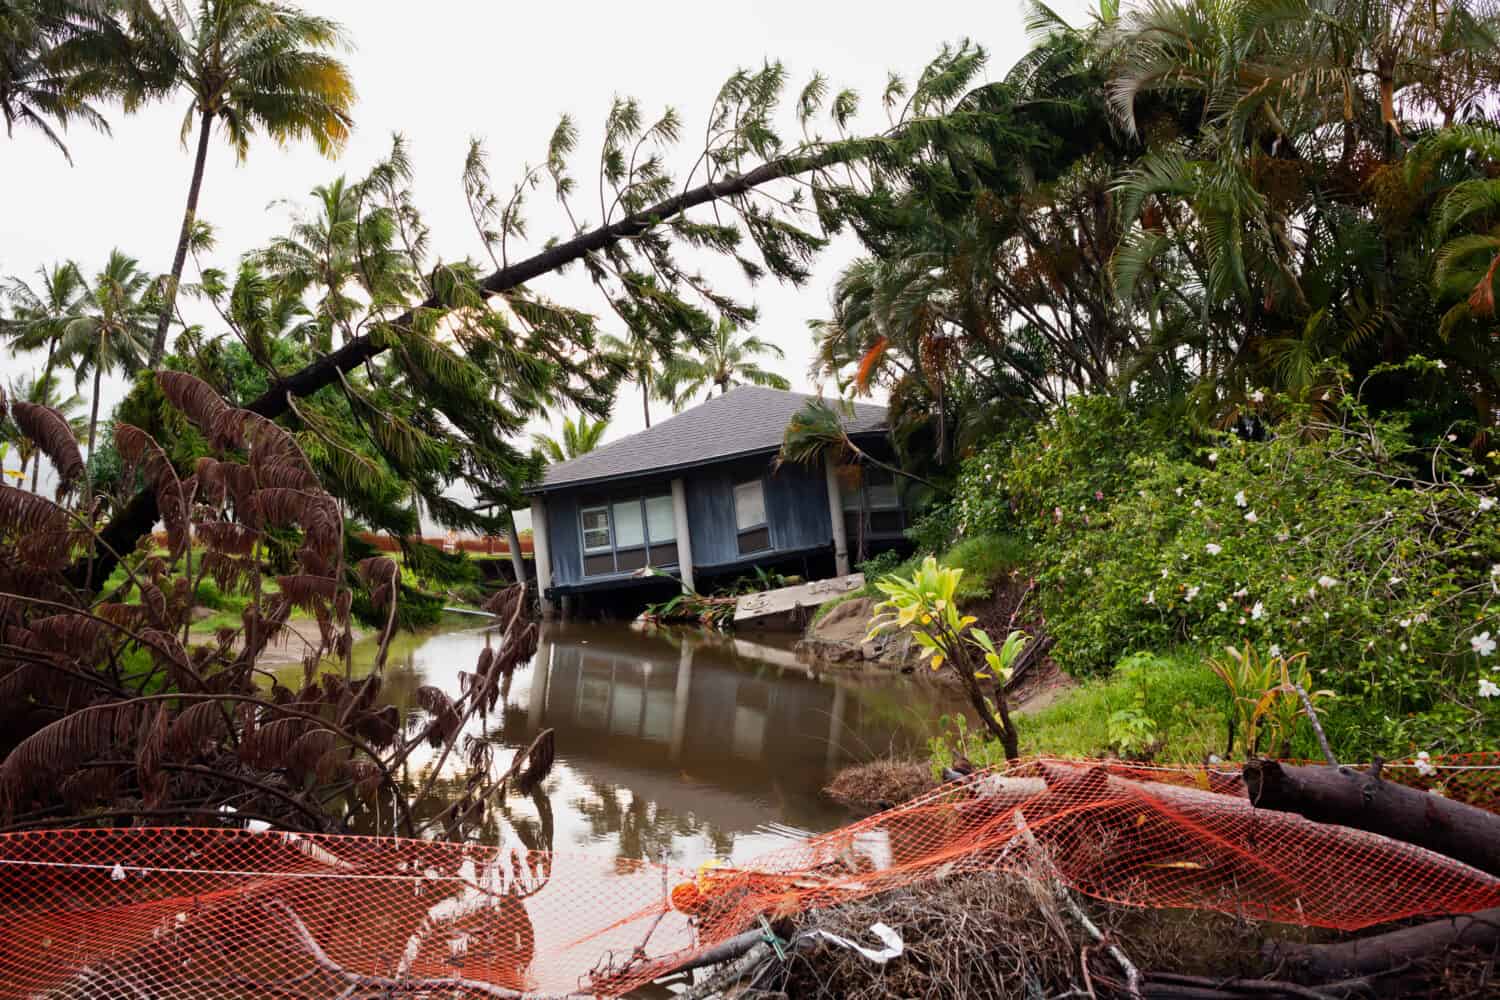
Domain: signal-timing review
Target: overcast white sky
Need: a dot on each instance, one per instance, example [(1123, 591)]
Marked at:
[(444, 70)]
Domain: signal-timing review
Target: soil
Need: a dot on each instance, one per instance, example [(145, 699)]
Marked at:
[(837, 639)]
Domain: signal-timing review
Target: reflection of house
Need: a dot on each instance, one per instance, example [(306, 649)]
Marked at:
[(698, 496)]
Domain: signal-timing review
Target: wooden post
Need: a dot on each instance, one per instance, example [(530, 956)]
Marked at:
[(836, 514), (684, 540), (542, 553)]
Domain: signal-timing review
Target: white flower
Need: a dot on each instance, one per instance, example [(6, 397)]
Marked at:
[(1452, 438), (1395, 580), (1165, 572), (1213, 548), (1258, 396), (1223, 606), (1197, 504), (1483, 644), (1150, 597), (1486, 503), (1252, 517), (1406, 623), (1424, 765), (1466, 471), (1282, 536), (1242, 592), (1488, 688), (1178, 491), (1258, 611), (1325, 581), (1239, 499), (1192, 592), (1213, 456), (1088, 571), (1275, 649), (1442, 366)]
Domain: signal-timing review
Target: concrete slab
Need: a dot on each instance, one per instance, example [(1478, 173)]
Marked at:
[(773, 608)]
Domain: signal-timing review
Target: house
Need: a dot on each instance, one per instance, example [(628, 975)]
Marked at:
[(699, 497)]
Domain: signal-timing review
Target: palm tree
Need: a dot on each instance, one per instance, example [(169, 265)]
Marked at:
[(44, 391), (56, 58), (578, 438), (40, 316), (643, 363), (725, 362), (250, 65), (114, 331)]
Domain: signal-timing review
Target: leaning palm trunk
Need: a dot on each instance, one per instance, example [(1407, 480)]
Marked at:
[(36, 459), (179, 260)]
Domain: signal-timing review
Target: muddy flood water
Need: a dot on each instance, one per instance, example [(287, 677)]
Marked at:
[(675, 745)]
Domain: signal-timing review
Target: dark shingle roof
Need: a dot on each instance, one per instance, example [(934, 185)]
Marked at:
[(745, 421)]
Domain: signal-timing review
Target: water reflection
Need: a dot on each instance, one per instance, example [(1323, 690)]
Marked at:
[(673, 744)]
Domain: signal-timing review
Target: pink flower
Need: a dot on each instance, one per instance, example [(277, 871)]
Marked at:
[(1098, 494)]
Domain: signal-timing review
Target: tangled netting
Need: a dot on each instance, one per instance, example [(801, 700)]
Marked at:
[(182, 912)]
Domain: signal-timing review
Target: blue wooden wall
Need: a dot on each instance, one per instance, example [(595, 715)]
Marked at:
[(796, 509)]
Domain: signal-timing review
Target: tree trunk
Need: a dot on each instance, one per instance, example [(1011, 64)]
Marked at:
[(1350, 798), (513, 539), (140, 512), (646, 400), (88, 474), (1384, 953), (169, 298), (36, 460)]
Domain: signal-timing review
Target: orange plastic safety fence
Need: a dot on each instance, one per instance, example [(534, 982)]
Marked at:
[(211, 913)]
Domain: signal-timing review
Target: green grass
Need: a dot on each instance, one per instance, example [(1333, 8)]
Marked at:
[(1181, 697)]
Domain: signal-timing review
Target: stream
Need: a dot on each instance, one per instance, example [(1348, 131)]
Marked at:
[(673, 745)]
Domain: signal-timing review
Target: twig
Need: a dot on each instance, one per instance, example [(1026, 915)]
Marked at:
[(1312, 716), (758, 953), (323, 961), (1132, 974)]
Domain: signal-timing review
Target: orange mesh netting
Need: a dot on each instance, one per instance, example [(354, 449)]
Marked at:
[(210, 912)]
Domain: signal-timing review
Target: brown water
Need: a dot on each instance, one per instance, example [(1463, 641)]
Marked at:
[(675, 744)]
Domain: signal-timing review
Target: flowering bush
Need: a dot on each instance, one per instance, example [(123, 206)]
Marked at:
[(1336, 536)]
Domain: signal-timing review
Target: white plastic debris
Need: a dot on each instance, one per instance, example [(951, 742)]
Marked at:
[(117, 873), (893, 944)]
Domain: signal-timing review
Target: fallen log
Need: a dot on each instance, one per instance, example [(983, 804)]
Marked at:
[(1346, 797), (1385, 953)]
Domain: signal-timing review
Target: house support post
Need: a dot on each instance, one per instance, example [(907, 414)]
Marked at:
[(541, 551), (684, 539), (836, 514)]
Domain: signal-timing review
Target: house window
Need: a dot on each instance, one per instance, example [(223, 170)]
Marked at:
[(871, 503), (750, 517), (596, 529), (628, 535)]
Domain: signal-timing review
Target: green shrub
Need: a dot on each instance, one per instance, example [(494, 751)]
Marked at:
[(1328, 538)]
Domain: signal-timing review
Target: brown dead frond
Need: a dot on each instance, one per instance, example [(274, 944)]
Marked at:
[(49, 430)]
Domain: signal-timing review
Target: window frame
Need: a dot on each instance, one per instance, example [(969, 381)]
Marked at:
[(584, 529), (763, 525), (648, 545)]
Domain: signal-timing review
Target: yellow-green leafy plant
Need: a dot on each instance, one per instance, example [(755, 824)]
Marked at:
[(1265, 703), (925, 605)]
